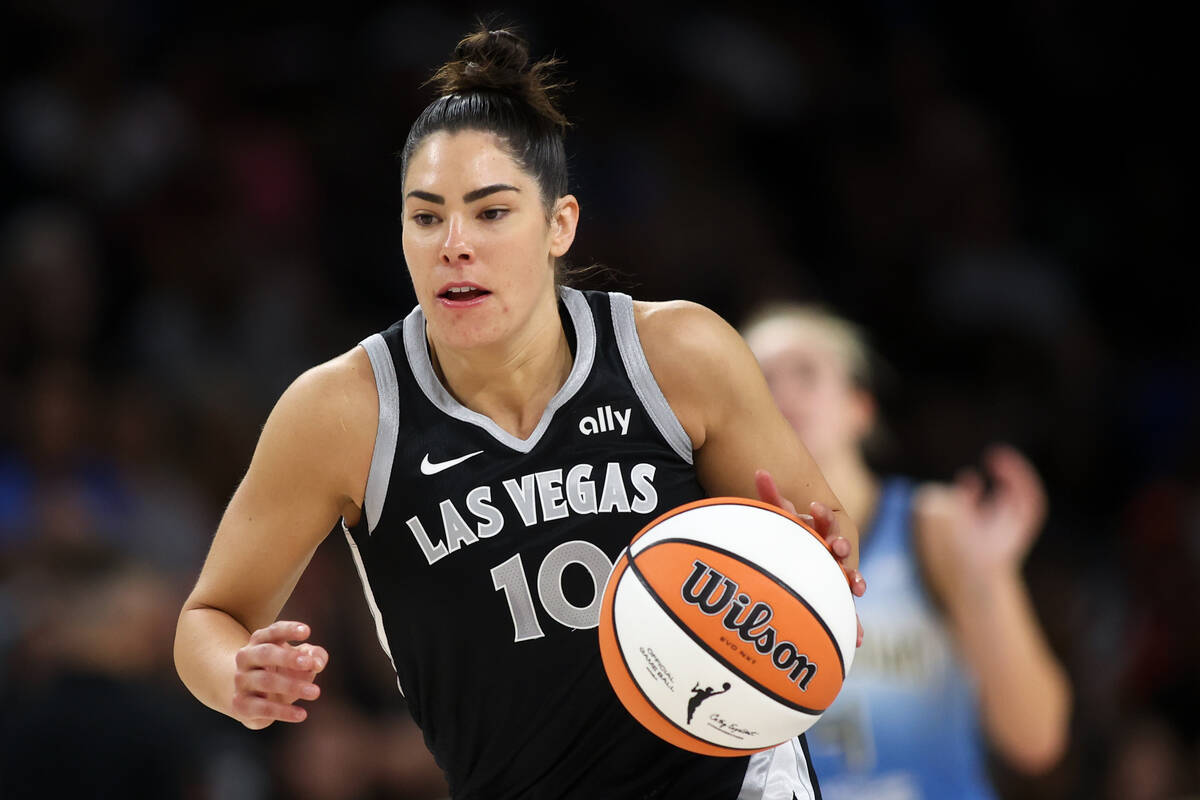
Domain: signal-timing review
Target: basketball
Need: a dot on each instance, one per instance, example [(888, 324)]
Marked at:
[(727, 626)]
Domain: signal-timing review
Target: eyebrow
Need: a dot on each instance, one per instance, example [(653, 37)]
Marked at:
[(469, 197)]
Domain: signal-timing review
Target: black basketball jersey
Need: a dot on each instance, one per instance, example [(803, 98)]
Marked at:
[(484, 557)]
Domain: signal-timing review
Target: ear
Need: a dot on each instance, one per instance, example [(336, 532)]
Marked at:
[(863, 411), (563, 222)]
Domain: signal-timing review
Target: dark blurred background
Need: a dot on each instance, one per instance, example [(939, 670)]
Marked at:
[(198, 201)]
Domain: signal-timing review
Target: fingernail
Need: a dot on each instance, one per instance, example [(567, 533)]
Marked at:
[(301, 629), (302, 661), (310, 691)]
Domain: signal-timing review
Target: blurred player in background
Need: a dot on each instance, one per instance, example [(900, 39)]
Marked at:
[(954, 659)]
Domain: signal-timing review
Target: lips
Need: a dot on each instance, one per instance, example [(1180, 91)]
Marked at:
[(461, 293)]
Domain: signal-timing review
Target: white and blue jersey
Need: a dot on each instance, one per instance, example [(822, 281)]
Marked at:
[(905, 725)]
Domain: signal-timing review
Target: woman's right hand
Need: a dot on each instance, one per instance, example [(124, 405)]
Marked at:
[(274, 670)]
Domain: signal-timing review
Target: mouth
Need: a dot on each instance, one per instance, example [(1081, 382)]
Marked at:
[(461, 294)]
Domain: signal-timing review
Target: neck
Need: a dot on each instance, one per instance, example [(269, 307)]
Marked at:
[(510, 381), (854, 484)]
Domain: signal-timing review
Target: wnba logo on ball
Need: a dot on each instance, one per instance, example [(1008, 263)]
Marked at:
[(747, 619)]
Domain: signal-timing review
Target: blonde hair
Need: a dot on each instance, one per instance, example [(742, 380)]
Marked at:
[(789, 321)]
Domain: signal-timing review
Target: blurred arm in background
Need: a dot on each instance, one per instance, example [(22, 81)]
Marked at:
[(972, 544)]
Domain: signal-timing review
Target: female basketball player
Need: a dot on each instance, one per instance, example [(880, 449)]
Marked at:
[(906, 722), (487, 458)]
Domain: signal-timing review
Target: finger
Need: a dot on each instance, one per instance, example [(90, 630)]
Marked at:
[(254, 708), (306, 675), (858, 642), (258, 656), (969, 486), (768, 492), (858, 584), (281, 631), (318, 656), (841, 548), (824, 521), (269, 682), (1016, 475)]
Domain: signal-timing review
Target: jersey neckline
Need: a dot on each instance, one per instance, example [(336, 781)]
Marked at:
[(417, 352)]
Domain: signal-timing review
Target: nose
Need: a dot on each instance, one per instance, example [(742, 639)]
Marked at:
[(455, 247)]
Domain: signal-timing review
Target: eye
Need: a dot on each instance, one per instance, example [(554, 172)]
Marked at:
[(424, 219), (493, 214)]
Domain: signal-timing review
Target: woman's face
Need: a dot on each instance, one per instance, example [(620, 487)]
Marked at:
[(476, 240), (813, 388)]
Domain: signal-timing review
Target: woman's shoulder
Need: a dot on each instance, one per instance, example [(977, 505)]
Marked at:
[(346, 379), (697, 358), (321, 432), (333, 400), (682, 328)]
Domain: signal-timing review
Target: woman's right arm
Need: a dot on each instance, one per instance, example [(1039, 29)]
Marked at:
[(309, 468)]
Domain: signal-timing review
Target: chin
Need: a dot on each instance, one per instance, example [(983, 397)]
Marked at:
[(464, 334)]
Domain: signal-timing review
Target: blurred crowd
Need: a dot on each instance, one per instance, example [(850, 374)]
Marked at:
[(198, 201)]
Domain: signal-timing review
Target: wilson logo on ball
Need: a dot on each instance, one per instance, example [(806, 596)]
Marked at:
[(749, 620)]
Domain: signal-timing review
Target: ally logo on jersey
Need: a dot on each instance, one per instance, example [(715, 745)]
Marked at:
[(606, 420)]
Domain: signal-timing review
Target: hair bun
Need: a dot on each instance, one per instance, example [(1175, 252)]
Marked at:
[(493, 53), (498, 60)]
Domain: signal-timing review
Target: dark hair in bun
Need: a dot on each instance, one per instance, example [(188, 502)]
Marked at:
[(491, 86)]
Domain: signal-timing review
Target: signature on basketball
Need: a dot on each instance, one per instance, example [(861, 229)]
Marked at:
[(732, 728)]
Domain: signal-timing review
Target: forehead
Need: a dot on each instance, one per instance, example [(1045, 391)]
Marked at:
[(463, 160), (791, 341)]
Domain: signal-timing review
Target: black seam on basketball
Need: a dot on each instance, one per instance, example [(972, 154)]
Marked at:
[(629, 671), (705, 646), (837, 647)]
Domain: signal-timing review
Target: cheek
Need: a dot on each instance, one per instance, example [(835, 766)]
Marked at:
[(837, 410), (526, 257), (789, 394), (417, 248)]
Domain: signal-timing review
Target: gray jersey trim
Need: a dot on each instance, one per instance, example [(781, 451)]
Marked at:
[(638, 369), (386, 432), (417, 351), (778, 774)]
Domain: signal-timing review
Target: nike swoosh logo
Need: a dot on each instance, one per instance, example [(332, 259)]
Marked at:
[(434, 467)]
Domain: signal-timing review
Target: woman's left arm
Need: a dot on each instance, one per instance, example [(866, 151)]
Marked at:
[(742, 444)]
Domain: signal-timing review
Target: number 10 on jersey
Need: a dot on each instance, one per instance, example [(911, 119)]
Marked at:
[(510, 577)]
